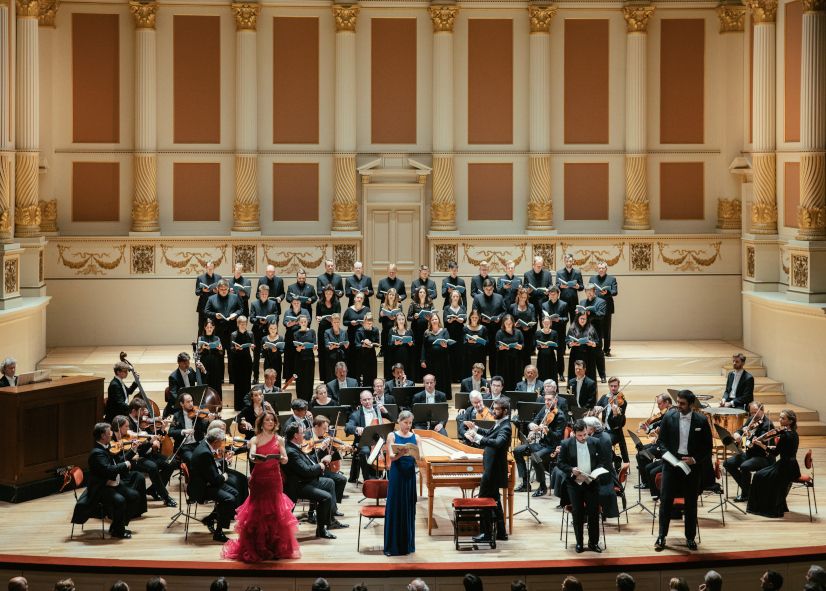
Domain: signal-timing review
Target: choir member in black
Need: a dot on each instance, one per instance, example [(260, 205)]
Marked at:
[(106, 484), (770, 486), (547, 347), (208, 483), (538, 281), (340, 381), (491, 307), (224, 308), (582, 329), (183, 377), (391, 282), (582, 387), (754, 458), (117, 401), (321, 397), (205, 286), (353, 319), (146, 459), (327, 305), (613, 416), (454, 282), (241, 354), (335, 347), (455, 316), (276, 285), (578, 457), (418, 314), (607, 291), (508, 284), (477, 411), (263, 312), (530, 380), (330, 277), (569, 281), (304, 340), (558, 311), (524, 315), (302, 291), (424, 280), (477, 282), (475, 343), (509, 352), (436, 354), (367, 340), (250, 413), (595, 310), (211, 353), (398, 351), (358, 282), (546, 430), (739, 385), (495, 442), (365, 415), (273, 356), (388, 310), (290, 322), (188, 428), (476, 381), (242, 287), (686, 434)]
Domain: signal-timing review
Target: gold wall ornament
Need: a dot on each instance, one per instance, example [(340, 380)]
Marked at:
[(143, 13), (443, 18), (814, 5), (497, 259), (26, 211), (246, 208), (587, 260), (187, 262), (443, 199), (687, 259), (642, 256), (800, 271), (48, 12), (637, 17), (750, 262), (444, 254), (27, 216), (11, 276), (90, 263), (145, 211), (732, 18), (246, 15), (346, 17), (5, 196), (290, 262), (28, 8), (811, 215), (762, 11), (345, 204), (540, 204), (48, 215), (636, 210), (764, 206), (541, 18), (729, 214), (546, 251), (246, 255), (142, 259), (345, 256)]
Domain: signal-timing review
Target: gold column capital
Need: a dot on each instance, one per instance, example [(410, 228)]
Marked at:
[(28, 8), (732, 18), (762, 11), (143, 13), (443, 18), (246, 15), (814, 5), (346, 16), (637, 17), (48, 12), (541, 17)]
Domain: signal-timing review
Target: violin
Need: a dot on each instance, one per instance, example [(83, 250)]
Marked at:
[(235, 443), (537, 434), (200, 412), (485, 414), (767, 435), (645, 425)]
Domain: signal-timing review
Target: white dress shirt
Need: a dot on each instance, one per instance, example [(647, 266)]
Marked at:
[(685, 431), (579, 383), (583, 457), (734, 382), (185, 377)]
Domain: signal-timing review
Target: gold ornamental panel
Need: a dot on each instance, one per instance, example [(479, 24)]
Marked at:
[(642, 256), (541, 18), (246, 15), (143, 13), (732, 18), (637, 17), (444, 255), (345, 256), (142, 259), (443, 18), (346, 17), (48, 13), (28, 8), (762, 11), (799, 276)]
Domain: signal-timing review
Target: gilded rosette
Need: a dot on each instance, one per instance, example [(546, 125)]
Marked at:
[(541, 17), (762, 11), (637, 17), (732, 18), (346, 17), (143, 13), (443, 18)]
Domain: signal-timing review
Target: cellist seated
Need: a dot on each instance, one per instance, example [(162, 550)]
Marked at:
[(477, 411), (546, 431), (364, 416)]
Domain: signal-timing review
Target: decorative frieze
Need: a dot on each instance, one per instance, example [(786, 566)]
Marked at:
[(732, 18)]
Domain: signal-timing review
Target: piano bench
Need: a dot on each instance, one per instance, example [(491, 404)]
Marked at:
[(467, 516)]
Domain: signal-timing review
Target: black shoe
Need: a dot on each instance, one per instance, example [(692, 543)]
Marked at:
[(580, 549), (523, 487), (741, 499), (338, 514), (151, 492), (659, 545), (691, 544), (595, 548), (502, 537), (345, 496), (482, 539), (170, 502), (121, 535), (324, 533), (209, 522), (540, 493), (603, 380), (311, 518), (220, 536), (336, 524), (129, 531), (640, 486), (608, 353), (353, 480)]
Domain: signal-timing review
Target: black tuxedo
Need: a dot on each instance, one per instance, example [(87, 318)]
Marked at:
[(203, 296), (206, 483), (584, 498), (176, 432), (176, 382), (742, 465), (466, 385), (304, 290), (541, 279), (675, 482), (429, 285), (358, 419), (421, 398), (226, 306), (117, 402), (387, 284), (495, 443), (542, 448), (450, 282), (745, 390), (476, 284), (587, 397), (391, 383), (276, 285), (560, 308), (5, 383), (303, 478), (335, 391), (522, 386), (388, 398)]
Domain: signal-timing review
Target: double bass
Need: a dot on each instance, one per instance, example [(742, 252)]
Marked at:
[(153, 420)]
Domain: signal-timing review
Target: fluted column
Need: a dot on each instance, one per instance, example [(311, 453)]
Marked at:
[(812, 212), (345, 201), (764, 206), (245, 209), (27, 109), (145, 216), (636, 208), (443, 202), (6, 144), (540, 204)]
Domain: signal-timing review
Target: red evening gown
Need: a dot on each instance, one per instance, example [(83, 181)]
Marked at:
[(265, 524)]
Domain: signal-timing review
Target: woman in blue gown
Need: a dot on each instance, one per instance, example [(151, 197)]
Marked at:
[(400, 513)]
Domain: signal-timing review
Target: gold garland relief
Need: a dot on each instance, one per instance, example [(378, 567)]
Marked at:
[(443, 18), (685, 259), (346, 17), (497, 259), (541, 17), (732, 18), (246, 16), (587, 260), (762, 11), (291, 262), (188, 262), (637, 17), (90, 263), (143, 13)]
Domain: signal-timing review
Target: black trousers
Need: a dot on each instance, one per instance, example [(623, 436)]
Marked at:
[(340, 481), (488, 490), (606, 333), (360, 463), (226, 501), (539, 453), (676, 483), (644, 461), (617, 437), (240, 483), (741, 468), (323, 491), (257, 338), (584, 500), (120, 503), (159, 470)]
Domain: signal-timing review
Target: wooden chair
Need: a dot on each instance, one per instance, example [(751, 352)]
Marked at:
[(567, 516), (807, 481), (189, 513), (468, 511), (76, 479), (622, 479), (372, 489)]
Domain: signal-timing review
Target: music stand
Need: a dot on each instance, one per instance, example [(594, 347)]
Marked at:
[(404, 396), (639, 503), (373, 434), (392, 411), (282, 418), (570, 399), (528, 410), (331, 412), (517, 396), (351, 396), (430, 413), (280, 401), (532, 512), (729, 446), (484, 424), (577, 412), (461, 401)]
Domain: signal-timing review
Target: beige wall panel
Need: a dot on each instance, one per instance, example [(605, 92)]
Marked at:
[(490, 191), (791, 193), (682, 81), (197, 79), (586, 191), (587, 91), (95, 191), (295, 80), (490, 81), (196, 192), (792, 56), (393, 80), (23, 333), (295, 191), (96, 78), (682, 192)]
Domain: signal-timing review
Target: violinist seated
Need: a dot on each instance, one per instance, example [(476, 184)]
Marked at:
[(300, 415), (613, 407), (183, 377), (117, 402), (476, 382), (107, 484), (189, 425), (648, 454), (545, 434), (430, 395), (232, 445), (364, 416), (530, 381), (321, 397), (268, 387), (208, 483), (549, 387), (137, 447), (477, 411), (754, 457), (321, 443), (249, 415)]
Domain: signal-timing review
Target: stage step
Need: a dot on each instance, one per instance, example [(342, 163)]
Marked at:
[(639, 366)]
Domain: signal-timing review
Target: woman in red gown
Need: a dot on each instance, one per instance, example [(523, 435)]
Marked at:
[(265, 524)]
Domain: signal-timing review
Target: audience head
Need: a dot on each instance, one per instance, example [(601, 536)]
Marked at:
[(156, 584), (417, 585), (18, 584), (816, 575), (320, 584), (119, 586), (65, 585), (771, 581), (519, 585), (472, 582), (678, 584), (220, 584), (9, 366), (625, 582), (571, 584), (713, 581)]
